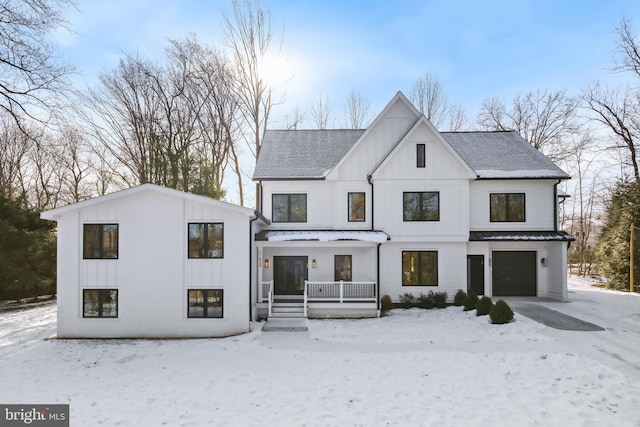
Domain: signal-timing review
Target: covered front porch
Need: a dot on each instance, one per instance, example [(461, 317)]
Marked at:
[(318, 274)]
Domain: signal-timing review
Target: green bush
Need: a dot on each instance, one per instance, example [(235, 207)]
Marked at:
[(458, 299), (440, 299), (386, 304), (483, 307), (408, 300), (426, 301), (501, 313), (470, 301)]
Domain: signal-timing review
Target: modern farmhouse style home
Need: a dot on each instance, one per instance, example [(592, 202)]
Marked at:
[(402, 208), (153, 262), (344, 217)]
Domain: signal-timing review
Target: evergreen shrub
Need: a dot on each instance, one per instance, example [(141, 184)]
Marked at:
[(483, 307), (407, 300), (426, 301), (458, 299), (386, 304), (470, 301), (440, 299), (501, 313)]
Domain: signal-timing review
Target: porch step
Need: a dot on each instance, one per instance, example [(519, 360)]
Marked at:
[(287, 311)]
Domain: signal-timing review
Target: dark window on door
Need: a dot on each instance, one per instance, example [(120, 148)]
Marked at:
[(289, 208), (356, 207), (421, 206), (342, 264), (507, 207), (420, 155)]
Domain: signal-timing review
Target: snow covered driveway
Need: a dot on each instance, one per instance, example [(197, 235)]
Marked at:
[(413, 368)]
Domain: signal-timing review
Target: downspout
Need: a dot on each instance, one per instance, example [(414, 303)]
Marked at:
[(369, 179), (556, 205), (372, 204), (251, 261), (378, 277)]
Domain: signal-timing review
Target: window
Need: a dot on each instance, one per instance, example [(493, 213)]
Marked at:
[(100, 303), (289, 208), (420, 155), (206, 240), (342, 264), (356, 207), (507, 207), (419, 268), (424, 206), (100, 241), (205, 303)]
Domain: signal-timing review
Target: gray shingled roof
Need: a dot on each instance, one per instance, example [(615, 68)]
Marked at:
[(502, 155), (312, 154), (302, 154)]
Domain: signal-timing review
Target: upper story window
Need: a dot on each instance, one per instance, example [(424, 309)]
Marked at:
[(206, 240), (420, 155), (421, 206), (356, 207), (100, 241), (289, 208), (507, 207)]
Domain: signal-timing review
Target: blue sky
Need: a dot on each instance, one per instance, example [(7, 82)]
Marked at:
[(478, 49)]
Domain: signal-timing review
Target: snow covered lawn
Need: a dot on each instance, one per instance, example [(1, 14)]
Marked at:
[(415, 367)]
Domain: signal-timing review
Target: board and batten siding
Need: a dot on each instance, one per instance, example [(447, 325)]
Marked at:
[(454, 220), (152, 273), (451, 274), (321, 200), (539, 204), (376, 143)]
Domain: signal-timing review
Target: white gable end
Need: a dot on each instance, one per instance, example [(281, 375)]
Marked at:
[(385, 132), (441, 161)]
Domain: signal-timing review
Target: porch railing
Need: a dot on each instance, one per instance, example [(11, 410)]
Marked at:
[(270, 298), (340, 291), (263, 290)]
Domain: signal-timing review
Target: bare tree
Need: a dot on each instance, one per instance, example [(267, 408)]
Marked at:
[(248, 34), (75, 164), (427, 94), (321, 112), (293, 120), (31, 76), (618, 111), (356, 114), (545, 119)]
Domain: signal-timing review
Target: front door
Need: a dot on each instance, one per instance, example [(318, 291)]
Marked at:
[(475, 274), (289, 274)]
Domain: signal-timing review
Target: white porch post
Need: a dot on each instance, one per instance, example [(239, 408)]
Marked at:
[(341, 291)]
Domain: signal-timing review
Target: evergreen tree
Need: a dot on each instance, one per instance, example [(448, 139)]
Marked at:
[(612, 249), (27, 251)]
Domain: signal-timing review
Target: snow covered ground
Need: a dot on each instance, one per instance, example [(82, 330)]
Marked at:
[(412, 368)]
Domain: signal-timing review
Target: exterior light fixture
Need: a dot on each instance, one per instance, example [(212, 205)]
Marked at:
[(543, 262), (314, 264), (266, 263)]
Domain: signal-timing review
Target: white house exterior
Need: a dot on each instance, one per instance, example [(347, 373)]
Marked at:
[(402, 208), (153, 262)]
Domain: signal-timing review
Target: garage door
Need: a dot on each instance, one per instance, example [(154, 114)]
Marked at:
[(514, 273)]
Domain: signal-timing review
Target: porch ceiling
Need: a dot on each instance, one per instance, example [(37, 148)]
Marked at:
[(321, 235)]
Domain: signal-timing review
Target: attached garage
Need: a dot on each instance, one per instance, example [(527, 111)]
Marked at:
[(514, 273)]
